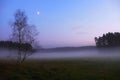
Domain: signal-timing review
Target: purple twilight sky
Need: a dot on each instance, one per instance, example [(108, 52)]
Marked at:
[(63, 22)]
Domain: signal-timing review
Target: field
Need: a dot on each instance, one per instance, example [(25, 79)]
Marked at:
[(60, 70)]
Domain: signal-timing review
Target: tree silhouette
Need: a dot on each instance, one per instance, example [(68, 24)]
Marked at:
[(23, 33), (108, 40)]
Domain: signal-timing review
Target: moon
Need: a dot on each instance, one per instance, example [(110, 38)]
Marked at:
[(38, 13)]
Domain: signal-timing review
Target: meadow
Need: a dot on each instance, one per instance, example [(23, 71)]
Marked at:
[(60, 70)]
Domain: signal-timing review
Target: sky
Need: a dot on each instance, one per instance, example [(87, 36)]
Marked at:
[(63, 22)]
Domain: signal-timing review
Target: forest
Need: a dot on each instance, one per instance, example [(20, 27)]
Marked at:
[(108, 40), (15, 45)]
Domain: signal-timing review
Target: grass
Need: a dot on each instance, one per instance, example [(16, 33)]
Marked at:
[(60, 70)]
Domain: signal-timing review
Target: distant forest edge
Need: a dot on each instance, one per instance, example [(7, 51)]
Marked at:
[(16, 45), (108, 40)]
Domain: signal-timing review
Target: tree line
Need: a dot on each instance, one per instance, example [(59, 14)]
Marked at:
[(108, 40), (16, 45)]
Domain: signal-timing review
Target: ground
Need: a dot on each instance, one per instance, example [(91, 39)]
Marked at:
[(60, 70)]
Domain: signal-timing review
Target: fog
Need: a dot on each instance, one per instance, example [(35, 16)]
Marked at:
[(93, 53)]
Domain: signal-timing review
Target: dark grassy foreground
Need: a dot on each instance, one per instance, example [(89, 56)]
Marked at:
[(60, 70)]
